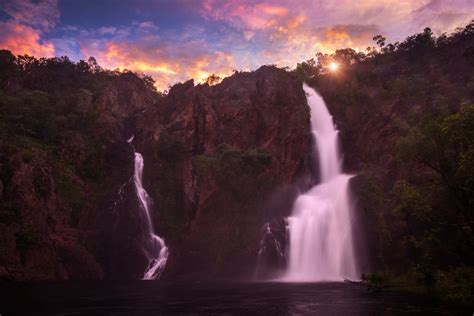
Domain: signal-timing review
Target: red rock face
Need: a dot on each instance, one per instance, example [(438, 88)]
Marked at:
[(213, 161), (54, 196), (42, 246), (220, 161)]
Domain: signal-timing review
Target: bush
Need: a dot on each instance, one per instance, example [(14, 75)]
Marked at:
[(457, 285), (236, 170)]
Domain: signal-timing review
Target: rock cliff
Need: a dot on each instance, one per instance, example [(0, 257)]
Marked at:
[(220, 161), (216, 162)]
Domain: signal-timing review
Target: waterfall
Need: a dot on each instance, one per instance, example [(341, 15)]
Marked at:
[(320, 233), (156, 249)]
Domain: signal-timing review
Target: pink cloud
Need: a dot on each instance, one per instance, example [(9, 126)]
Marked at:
[(245, 14), (22, 39), (42, 15), (147, 26), (443, 16)]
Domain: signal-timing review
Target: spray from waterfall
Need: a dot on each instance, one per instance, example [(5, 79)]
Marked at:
[(320, 232), (156, 249)]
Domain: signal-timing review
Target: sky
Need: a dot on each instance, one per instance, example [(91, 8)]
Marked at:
[(177, 40)]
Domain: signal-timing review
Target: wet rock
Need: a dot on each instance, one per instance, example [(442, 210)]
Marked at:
[(273, 253)]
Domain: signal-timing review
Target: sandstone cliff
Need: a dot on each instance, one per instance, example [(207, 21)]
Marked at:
[(217, 162), (220, 161)]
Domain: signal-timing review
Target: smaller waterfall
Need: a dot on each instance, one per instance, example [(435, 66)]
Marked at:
[(156, 250)]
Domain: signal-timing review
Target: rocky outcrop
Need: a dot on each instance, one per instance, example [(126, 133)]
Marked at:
[(213, 163), (273, 252), (219, 162)]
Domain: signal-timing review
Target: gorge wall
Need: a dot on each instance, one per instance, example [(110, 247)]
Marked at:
[(224, 163), (215, 163), (220, 161)]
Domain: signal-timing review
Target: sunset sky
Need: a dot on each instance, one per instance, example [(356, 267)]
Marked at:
[(176, 40)]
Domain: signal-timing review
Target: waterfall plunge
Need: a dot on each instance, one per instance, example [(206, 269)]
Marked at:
[(157, 252), (320, 234)]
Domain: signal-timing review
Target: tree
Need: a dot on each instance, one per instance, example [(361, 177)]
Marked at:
[(93, 64), (419, 43), (380, 40), (8, 66), (213, 79), (347, 56), (446, 146), (307, 70)]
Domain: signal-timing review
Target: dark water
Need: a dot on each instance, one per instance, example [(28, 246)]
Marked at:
[(155, 298)]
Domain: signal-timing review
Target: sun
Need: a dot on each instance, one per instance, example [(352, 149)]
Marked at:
[(333, 66)]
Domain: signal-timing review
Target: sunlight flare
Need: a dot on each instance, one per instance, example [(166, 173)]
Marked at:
[(333, 66)]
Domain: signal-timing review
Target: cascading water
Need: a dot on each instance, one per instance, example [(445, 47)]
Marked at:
[(156, 250), (320, 234)]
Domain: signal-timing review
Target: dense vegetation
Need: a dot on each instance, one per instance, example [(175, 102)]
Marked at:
[(55, 107), (406, 115), (59, 122)]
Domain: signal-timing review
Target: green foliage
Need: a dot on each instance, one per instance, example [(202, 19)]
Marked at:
[(238, 171), (72, 195), (372, 199), (411, 203), (48, 118), (457, 285), (170, 147), (412, 221), (431, 218), (173, 213), (377, 279), (446, 146), (411, 88)]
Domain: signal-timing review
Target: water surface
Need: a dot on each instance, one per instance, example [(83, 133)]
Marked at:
[(160, 298)]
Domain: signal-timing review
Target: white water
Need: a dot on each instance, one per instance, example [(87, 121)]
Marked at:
[(320, 233), (157, 252)]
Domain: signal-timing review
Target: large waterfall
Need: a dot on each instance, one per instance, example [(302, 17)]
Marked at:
[(156, 250), (320, 234)]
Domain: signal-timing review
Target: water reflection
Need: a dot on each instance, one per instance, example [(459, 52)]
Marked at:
[(157, 298)]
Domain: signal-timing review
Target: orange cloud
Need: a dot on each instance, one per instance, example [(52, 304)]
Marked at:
[(357, 37), (166, 64), (115, 56), (22, 39), (292, 23), (272, 9)]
